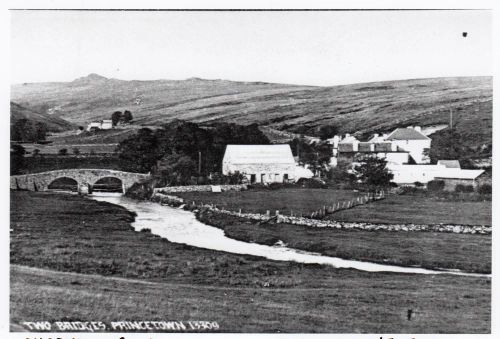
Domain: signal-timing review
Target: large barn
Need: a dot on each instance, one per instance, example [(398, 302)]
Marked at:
[(260, 163)]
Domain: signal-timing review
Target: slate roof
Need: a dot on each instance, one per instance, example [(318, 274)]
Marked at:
[(258, 154), (457, 173), (406, 134)]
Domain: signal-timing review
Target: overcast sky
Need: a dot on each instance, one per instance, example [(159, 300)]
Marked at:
[(316, 48)]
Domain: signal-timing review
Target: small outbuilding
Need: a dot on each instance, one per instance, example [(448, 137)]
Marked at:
[(454, 177)]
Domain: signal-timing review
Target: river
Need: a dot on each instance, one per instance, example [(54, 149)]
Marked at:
[(180, 226)]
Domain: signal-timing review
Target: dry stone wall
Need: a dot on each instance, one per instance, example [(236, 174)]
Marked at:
[(446, 228), (199, 188)]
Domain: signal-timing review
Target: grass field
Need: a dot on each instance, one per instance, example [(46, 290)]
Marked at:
[(113, 273), (418, 209), (424, 249), (299, 200), (352, 303)]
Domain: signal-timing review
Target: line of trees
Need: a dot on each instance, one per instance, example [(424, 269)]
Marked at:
[(182, 150)]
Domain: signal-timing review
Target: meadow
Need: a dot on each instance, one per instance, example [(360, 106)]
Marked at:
[(74, 258)]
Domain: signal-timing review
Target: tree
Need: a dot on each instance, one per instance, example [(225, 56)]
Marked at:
[(176, 169), (341, 174), (327, 132), (17, 153), (116, 117), (127, 116), (372, 172), (139, 152), (25, 130), (451, 144), (316, 155)]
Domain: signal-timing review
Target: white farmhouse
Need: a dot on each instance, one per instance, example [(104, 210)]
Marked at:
[(262, 163), (103, 124), (413, 141), (107, 124)]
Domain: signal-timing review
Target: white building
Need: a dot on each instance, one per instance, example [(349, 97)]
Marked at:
[(398, 147), (107, 124), (413, 141), (263, 163), (103, 124), (409, 174)]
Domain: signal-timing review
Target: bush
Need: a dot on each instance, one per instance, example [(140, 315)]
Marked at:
[(409, 190), (469, 189), (311, 183), (464, 188), (140, 191), (63, 151), (435, 185), (484, 189)]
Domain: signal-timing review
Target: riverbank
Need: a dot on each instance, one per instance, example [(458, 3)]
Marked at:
[(431, 250), (243, 293)]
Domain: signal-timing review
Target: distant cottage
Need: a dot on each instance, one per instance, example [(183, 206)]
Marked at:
[(263, 163), (103, 124)]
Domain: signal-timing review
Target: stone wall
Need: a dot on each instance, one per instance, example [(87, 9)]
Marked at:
[(446, 228), (199, 188)]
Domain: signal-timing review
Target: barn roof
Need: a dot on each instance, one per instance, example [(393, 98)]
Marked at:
[(457, 173), (406, 134), (258, 154)]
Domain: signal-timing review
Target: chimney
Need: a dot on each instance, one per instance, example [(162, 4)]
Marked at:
[(347, 135), (336, 140), (394, 147), (355, 145), (372, 147), (418, 129)]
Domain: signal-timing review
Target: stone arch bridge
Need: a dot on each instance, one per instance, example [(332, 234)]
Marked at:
[(83, 177)]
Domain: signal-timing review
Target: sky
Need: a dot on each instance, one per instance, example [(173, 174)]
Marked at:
[(310, 48)]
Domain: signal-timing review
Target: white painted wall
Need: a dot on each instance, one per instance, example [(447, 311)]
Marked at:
[(415, 148)]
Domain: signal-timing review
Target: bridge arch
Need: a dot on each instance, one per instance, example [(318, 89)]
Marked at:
[(108, 184), (63, 184)]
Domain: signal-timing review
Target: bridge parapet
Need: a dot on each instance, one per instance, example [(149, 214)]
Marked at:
[(41, 181)]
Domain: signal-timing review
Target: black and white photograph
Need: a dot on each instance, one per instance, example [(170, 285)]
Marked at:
[(249, 170)]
